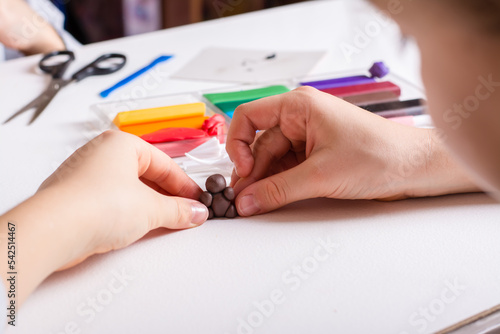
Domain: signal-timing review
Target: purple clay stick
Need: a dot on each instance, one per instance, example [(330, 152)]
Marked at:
[(377, 70), (339, 82)]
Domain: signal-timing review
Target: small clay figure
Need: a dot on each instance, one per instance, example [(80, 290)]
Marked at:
[(219, 199)]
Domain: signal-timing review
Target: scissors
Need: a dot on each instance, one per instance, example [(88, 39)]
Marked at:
[(56, 63)]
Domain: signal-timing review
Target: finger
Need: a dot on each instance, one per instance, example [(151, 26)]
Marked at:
[(289, 160), (271, 146), (247, 119), (158, 168), (290, 111), (234, 178), (154, 186), (131, 154), (300, 182), (175, 212)]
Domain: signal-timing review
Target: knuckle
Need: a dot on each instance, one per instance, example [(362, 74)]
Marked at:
[(299, 104), (307, 91), (109, 134), (276, 191), (241, 109)]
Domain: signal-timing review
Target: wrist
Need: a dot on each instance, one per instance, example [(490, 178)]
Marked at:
[(425, 168), (444, 174)]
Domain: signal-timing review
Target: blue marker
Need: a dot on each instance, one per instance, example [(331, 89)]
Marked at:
[(131, 77)]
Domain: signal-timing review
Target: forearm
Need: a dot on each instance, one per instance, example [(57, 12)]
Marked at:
[(39, 240)]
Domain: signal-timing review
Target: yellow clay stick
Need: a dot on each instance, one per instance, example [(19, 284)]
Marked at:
[(160, 114), (142, 129)]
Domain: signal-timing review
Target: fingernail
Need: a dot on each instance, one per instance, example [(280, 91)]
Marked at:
[(199, 214), (236, 171), (247, 206)]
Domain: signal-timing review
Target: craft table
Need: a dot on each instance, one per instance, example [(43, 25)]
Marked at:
[(317, 266)]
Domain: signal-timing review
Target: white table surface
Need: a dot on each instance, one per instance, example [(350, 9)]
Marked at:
[(411, 266)]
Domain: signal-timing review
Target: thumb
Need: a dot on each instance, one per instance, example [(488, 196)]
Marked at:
[(178, 212), (298, 183)]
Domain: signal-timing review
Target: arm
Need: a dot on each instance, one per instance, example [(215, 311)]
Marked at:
[(316, 145), (107, 195), (459, 43)]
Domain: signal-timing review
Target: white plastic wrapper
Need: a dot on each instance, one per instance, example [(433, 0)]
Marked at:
[(208, 158)]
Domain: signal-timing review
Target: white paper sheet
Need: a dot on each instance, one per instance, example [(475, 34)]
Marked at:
[(248, 66)]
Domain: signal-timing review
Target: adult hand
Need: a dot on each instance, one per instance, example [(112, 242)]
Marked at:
[(316, 145), (107, 195)]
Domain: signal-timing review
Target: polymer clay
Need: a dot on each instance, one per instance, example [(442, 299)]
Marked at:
[(219, 199)]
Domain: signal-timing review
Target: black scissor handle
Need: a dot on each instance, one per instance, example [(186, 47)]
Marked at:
[(105, 64), (56, 63)]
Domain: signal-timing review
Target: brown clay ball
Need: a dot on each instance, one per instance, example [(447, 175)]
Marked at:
[(229, 193), (231, 211), (206, 198), (215, 183)]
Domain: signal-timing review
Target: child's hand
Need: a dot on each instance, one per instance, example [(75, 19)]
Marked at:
[(107, 195), (125, 188), (316, 145)]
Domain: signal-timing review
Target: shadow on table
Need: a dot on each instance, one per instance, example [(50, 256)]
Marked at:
[(328, 210)]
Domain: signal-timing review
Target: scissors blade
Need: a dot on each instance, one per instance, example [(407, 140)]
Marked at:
[(54, 87), (41, 102), (27, 107)]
